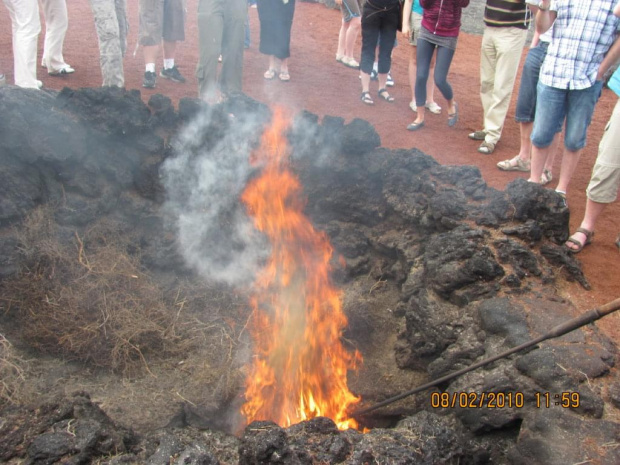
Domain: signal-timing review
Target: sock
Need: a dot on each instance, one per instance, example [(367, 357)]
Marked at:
[(168, 63), (150, 67)]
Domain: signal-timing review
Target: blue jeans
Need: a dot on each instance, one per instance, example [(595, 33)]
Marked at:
[(556, 104), (526, 102)]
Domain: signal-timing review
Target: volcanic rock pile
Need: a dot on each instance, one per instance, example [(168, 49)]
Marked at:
[(438, 271)]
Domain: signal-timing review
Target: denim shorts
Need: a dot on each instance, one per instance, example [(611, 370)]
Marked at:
[(350, 9), (526, 101), (556, 104)]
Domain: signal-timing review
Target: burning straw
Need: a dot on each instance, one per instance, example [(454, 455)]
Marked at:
[(300, 366)]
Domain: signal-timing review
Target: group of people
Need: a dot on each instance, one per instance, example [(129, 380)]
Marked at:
[(574, 46), (223, 33)]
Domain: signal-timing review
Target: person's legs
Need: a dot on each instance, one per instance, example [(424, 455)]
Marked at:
[(150, 37), (424, 51), (352, 33), (123, 24), (210, 30), (231, 77), (351, 25), (388, 27), (26, 27), (370, 36), (170, 49), (550, 112), (580, 107), (526, 100), (108, 32), (488, 62), (56, 23), (442, 67), (605, 181), (509, 44), (342, 37)]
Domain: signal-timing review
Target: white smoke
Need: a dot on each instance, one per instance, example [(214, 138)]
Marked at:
[(204, 180)]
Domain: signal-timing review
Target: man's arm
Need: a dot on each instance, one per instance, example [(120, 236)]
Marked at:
[(613, 54), (545, 17), (612, 57)]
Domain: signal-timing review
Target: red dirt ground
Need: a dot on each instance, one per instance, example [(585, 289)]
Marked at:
[(324, 87)]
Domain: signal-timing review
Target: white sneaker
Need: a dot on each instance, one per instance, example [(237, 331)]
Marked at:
[(62, 71), (433, 108), (350, 62), (413, 106), (390, 81)]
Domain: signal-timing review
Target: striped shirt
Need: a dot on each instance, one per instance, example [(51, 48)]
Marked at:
[(582, 34), (507, 13)]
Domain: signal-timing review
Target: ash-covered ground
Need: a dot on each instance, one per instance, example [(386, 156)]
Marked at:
[(124, 252)]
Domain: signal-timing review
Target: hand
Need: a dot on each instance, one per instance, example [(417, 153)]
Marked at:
[(338, 2), (406, 32)]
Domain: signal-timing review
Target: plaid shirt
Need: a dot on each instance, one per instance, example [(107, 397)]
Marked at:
[(582, 33)]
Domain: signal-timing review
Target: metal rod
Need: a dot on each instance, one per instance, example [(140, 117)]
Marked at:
[(559, 330)]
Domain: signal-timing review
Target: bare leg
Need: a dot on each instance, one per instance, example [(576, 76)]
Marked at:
[(169, 49), (382, 80), (525, 150), (150, 53), (593, 211), (539, 160), (284, 66), (342, 36), (570, 160), (365, 79), (353, 31)]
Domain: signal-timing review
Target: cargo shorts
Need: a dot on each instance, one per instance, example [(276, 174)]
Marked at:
[(161, 19)]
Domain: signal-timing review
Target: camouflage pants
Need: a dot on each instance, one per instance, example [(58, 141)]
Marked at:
[(112, 27)]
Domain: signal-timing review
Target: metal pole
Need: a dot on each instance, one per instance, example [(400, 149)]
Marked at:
[(561, 329)]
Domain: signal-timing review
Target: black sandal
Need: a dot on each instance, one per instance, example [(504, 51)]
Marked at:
[(384, 94), (367, 99)]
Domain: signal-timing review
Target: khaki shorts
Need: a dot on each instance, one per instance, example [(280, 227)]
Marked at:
[(161, 19), (415, 25), (605, 180)]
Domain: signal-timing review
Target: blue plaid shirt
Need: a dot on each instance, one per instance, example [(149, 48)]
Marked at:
[(582, 33)]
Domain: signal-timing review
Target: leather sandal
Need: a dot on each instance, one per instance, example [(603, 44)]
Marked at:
[(367, 99), (385, 95), (514, 164), (580, 245)]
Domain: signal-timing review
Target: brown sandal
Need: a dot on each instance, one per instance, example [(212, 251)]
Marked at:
[(580, 245)]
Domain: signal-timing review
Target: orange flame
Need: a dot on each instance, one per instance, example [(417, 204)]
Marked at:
[(300, 366)]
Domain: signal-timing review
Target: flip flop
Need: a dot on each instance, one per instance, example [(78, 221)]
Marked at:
[(284, 77), (270, 74)]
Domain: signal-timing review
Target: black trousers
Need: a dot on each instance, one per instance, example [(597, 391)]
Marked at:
[(378, 22)]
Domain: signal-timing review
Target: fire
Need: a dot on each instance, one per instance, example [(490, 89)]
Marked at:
[(299, 368)]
